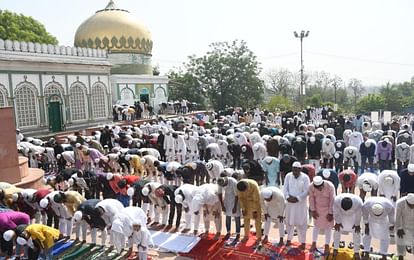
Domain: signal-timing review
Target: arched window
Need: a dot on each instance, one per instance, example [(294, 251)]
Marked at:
[(55, 90), (78, 102), (25, 99), (98, 101), (3, 96)]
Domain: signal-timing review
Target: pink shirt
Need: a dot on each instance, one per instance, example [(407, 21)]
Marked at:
[(322, 201)]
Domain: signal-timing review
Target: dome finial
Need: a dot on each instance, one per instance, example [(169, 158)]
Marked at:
[(111, 5)]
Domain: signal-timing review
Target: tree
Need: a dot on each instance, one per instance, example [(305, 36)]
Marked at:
[(23, 28), (371, 102), (280, 81), (230, 74), (278, 103), (355, 85), (183, 85)]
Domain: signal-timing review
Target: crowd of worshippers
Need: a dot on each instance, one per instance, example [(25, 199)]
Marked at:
[(273, 169)]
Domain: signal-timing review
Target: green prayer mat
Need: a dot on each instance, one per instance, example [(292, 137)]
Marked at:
[(78, 253)]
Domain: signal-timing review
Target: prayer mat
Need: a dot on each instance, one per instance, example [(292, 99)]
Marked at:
[(173, 242), (291, 252), (61, 246), (78, 253)]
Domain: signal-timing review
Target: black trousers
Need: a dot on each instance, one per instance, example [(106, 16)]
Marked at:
[(173, 207)]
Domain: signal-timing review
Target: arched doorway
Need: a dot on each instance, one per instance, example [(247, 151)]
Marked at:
[(144, 95), (55, 113)]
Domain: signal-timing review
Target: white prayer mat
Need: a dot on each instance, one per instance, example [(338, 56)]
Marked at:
[(172, 242)]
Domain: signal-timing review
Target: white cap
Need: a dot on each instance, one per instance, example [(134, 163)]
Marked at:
[(15, 196), (312, 139), (109, 176), (388, 180), (377, 209), (367, 187), (296, 165), (266, 193), (406, 135), (337, 155), (179, 199), (339, 144), (8, 235), (44, 203), (71, 181), (367, 143), (317, 180), (78, 145), (145, 191), (410, 198), (410, 167), (169, 167), (326, 173), (244, 149), (97, 160), (209, 166), (131, 191), (58, 156), (21, 241), (298, 139), (87, 140), (128, 157), (78, 215)]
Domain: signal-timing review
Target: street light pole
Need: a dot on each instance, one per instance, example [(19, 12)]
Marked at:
[(302, 35)]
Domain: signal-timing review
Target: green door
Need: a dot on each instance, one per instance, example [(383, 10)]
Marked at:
[(55, 117)]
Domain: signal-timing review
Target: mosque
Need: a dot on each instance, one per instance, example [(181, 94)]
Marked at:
[(55, 88)]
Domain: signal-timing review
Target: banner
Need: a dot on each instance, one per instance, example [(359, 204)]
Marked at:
[(374, 116)]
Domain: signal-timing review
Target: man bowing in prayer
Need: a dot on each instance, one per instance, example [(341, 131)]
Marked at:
[(296, 191)]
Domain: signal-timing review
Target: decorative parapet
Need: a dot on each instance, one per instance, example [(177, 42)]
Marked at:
[(49, 49)]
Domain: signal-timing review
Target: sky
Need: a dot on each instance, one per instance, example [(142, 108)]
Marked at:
[(371, 40)]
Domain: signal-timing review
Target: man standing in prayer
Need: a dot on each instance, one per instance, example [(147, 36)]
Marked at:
[(321, 199), (296, 191)]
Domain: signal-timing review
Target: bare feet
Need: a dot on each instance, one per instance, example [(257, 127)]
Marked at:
[(280, 242), (195, 232), (288, 243), (327, 250), (237, 237), (185, 230)]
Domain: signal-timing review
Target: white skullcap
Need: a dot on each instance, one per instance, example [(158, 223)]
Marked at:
[(71, 181), (58, 156), (209, 166), (44, 203), (298, 138), (179, 199), (377, 209), (131, 191), (256, 147), (388, 180), (366, 187), (406, 135), (78, 215), (78, 145), (367, 143), (128, 157), (169, 167), (312, 139), (244, 149), (339, 144), (21, 241), (296, 165), (142, 160), (410, 167), (326, 173), (337, 155), (8, 235), (15, 196), (109, 176), (410, 198), (317, 180), (268, 159), (129, 141), (387, 139), (97, 160), (266, 193), (145, 191), (87, 140)]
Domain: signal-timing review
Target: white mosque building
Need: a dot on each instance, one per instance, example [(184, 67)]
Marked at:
[(53, 88)]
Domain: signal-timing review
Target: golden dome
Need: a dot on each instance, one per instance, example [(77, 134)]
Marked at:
[(116, 30)]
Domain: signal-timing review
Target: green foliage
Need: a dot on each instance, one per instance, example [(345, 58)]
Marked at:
[(278, 103), (23, 28), (183, 85), (230, 74), (371, 102)]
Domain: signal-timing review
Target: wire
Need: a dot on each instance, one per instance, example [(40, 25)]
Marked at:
[(359, 59)]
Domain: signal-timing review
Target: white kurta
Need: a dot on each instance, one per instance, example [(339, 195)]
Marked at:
[(296, 213), (404, 220), (348, 218), (111, 208), (378, 225), (276, 206), (390, 190), (229, 197)]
